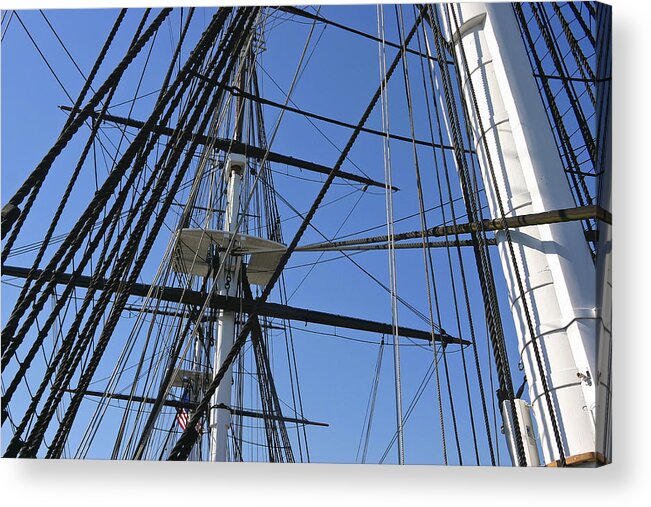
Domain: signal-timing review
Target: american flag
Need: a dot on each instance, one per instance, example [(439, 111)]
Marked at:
[(183, 413)]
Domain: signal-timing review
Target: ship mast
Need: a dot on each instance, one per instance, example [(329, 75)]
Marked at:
[(558, 283), (551, 277), (228, 281)]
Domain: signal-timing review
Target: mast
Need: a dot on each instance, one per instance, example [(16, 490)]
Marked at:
[(550, 275), (228, 281), (191, 317)]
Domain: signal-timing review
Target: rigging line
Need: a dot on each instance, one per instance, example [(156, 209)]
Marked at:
[(188, 439), (264, 385), (252, 374), (151, 372), (311, 264), (102, 145), (324, 205), (327, 119), (131, 367), (579, 17), (46, 361), (391, 257), (454, 293), (483, 265), (139, 97), (98, 416), (310, 180), (70, 336), (451, 270), (63, 45), (426, 251), (289, 325), (359, 199), (8, 417), (98, 236), (570, 78), (359, 340), (98, 62), (370, 407), (309, 57), (564, 143), (136, 192), (30, 247), (479, 240), (175, 57), (246, 206), (53, 224), (321, 19), (427, 256), (492, 390), (119, 370), (275, 232), (123, 131), (263, 181), (451, 202), (40, 178), (275, 131), (290, 101), (11, 16), (47, 63), (580, 55), (121, 266), (116, 223), (583, 66), (264, 366), (412, 405)]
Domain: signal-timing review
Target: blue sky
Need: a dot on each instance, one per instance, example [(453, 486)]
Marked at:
[(340, 77)]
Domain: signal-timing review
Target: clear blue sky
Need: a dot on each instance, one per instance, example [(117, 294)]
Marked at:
[(339, 80)]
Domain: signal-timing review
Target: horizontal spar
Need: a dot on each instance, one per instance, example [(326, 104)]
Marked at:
[(180, 405), (496, 224), (235, 304), (231, 146), (397, 246)]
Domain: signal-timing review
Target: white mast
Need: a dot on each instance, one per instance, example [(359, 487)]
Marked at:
[(228, 281), (554, 262), (220, 418)]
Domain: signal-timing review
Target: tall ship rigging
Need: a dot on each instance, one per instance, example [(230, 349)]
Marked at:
[(369, 234)]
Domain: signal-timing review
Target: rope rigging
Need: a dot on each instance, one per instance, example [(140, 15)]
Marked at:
[(135, 326)]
